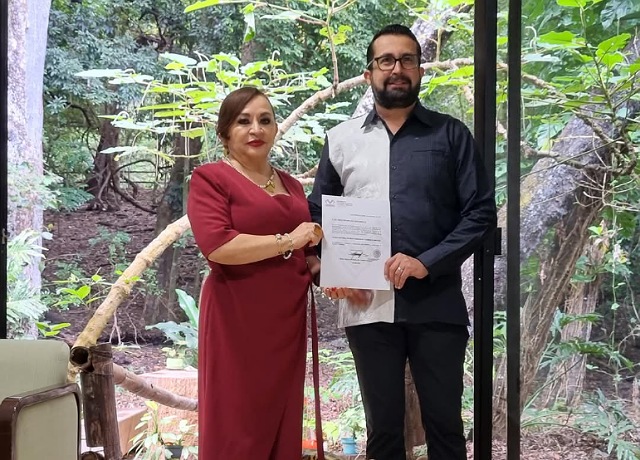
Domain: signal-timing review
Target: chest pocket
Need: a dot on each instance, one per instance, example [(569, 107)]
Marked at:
[(433, 173)]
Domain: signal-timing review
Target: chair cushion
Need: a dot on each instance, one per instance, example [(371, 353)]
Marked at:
[(48, 431), (29, 365)]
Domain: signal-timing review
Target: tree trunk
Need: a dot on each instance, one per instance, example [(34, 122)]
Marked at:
[(163, 306), (540, 307), (248, 52), (565, 379), (105, 178), (555, 195), (27, 44)]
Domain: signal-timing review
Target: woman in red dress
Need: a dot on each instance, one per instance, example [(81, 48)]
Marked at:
[(252, 223)]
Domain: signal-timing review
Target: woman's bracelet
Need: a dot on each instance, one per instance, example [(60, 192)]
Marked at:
[(289, 251), (286, 253)]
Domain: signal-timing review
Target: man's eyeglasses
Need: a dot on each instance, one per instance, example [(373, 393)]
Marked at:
[(388, 62)]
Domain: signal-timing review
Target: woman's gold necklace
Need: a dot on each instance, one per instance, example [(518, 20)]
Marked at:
[(269, 186)]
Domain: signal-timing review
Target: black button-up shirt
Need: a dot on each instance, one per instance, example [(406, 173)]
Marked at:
[(442, 207)]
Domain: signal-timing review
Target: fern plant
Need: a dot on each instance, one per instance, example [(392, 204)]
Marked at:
[(24, 305)]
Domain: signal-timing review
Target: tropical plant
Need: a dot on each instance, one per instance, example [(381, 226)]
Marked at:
[(24, 305), (153, 442), (183, 336)]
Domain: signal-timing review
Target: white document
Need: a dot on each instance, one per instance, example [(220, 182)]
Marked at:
[(356, 242)]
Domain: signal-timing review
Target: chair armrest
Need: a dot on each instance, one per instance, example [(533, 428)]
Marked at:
[(11, 406)]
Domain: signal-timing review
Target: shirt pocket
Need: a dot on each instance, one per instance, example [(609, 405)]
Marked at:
[(431, 171)]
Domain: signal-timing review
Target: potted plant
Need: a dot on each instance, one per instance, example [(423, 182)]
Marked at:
[(352, 425), (156, 442), (174, 442), (174, 357)]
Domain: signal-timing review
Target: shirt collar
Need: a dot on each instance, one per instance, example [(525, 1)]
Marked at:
[(419, 112)]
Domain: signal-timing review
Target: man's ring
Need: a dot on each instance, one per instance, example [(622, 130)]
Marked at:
[(400, 269)]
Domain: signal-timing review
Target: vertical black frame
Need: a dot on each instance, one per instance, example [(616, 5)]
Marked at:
[(485, 62), (514, 114), (4, 147)]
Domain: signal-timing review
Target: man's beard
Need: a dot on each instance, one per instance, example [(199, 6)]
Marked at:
[(396, 98)]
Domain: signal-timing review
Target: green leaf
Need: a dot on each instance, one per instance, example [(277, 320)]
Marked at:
[(611, 60), (250, 21), (254, 67), (171, 105), (613, 44), (193, 133), (100, 73), (289, 15), (207, 3), (572, 3), (537, 57), (229, 58), (117, 150), (185, 60), (170, 113), (340, 37), (188, 304), (564, 39)]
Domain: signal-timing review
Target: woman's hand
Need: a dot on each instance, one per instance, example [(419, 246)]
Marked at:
[(356, 297), (307, 233)]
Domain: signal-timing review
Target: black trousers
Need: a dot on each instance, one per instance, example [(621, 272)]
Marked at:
[(436, 356)]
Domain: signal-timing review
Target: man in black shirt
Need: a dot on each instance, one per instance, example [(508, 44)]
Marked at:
[(427, 166)]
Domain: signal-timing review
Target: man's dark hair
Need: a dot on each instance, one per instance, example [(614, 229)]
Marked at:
[(393, 29)]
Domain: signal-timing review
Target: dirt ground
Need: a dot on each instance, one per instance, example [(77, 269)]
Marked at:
[(87, 242)]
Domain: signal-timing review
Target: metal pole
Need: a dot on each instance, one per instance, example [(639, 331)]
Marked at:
[(514, 114), (4, 70), (485, 37)]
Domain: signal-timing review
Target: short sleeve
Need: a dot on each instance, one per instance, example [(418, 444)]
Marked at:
[(208, 208)]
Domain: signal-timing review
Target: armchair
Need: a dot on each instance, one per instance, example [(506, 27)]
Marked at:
[(39, 410)]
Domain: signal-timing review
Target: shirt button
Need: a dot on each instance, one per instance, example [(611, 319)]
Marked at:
[(395, 229), (394, 197), (394, 167)]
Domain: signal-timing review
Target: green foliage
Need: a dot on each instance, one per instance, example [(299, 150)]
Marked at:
[(609, 420), (116, 242), (72, 198), (27, 189), (153, 441), (188, 104), (50, 330), (344, 386), (184, 336), (76, 290), (24, 305)]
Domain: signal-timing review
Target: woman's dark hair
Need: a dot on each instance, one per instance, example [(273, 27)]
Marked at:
[(233, 105), (393, 29)]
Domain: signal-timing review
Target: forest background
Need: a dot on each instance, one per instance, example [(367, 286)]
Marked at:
[(101, 150)]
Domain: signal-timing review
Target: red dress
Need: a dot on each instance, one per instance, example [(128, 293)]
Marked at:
[(252, 332)]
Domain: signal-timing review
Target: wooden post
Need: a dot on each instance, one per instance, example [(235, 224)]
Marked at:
[(99, 398)]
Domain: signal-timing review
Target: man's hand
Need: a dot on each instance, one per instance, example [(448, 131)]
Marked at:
[(356, 297), (400, 267)]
